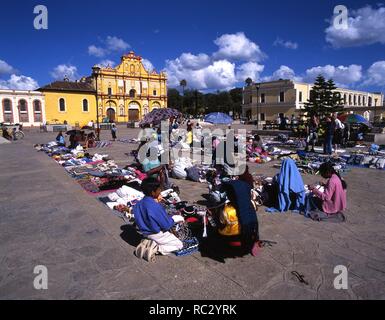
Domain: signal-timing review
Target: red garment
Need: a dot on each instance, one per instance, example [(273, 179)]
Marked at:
[(334, 197)]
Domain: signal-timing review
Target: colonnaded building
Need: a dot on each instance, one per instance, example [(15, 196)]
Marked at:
[(121, 94), (265, 101), (19, 106)]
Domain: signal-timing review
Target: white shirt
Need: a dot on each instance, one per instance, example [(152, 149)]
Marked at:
[(339, 124)]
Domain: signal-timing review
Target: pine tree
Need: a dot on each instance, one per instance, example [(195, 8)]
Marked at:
[(323, 98), (334, 99)]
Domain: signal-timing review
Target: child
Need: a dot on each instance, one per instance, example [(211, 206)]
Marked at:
[(333, 200), (154, 223), (60, 139), (113, 131)]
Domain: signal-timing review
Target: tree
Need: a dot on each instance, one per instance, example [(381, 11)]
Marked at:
[(174, 99), (333, 98), (236, 98), (249, 82), (323, 98), (183, 84)]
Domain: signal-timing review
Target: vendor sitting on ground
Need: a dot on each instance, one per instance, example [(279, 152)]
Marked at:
[(60, 139), (333, 200), (154, 223), (6, 134), (153, 168), (238, 220)]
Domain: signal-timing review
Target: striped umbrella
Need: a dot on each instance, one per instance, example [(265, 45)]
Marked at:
[(353, 119), (156, 116)]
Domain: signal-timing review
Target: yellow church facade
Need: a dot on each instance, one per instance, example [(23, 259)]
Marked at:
[(129, 91), (121, 94)]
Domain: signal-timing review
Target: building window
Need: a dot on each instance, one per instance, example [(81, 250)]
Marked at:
[(359, 100), (282, 96), (262, 117), (370, 101), (85, 105), (345, 99), (121, 111), (23, 111), (154, 92), (263, 98), (300, 96), (110, 91), (7, 111), (355, 100), (37, 110), (62, 105), (350, 100), (132, 93), (364, 100), (251, 99)]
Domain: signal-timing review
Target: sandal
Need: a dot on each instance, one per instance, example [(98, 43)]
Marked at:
[(150, 251), (140, 249)]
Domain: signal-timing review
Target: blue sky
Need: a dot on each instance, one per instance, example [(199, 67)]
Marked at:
[(213, 44)]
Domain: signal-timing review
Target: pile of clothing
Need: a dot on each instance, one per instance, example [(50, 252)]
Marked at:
[(184, 169), (95, 173), (366, 160), (309, 163)]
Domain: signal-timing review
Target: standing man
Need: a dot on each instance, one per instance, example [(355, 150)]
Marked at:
[(114, 129), (329, 134), (339, 132)]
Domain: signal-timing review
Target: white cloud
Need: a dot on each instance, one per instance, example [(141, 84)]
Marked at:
[(106, 63), (376, 74), (195, 62), (116, 44), (237, 47), (63, 70), (284, 72), (286, 44), (111, 44), (220, 75), (96, 51), (221, 70), (148, 65), (249, 70), (21, 82), (5, 68), (365, 26), (342, 76), (176, 72)]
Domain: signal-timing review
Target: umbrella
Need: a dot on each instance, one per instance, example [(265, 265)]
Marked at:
[(156, 116), (218, 118), (75, 132), (353, 118)]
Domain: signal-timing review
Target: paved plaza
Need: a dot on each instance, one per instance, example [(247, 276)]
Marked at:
[(46, 218)]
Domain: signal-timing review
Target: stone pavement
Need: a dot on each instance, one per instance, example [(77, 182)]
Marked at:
[(47, 219)]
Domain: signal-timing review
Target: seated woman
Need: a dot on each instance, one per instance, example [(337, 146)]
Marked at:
[(331, 202), (155, 224), (90, 140), (60, 139), (154, 169), (238, 221)]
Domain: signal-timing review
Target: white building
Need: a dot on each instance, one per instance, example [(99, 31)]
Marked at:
[(266, 100), (24, 107)]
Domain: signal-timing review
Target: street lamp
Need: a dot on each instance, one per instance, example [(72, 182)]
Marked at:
[(96, 70), (257, 87)]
